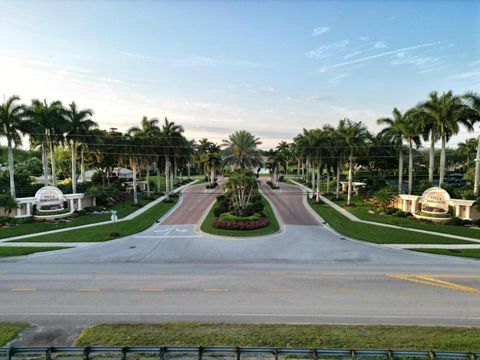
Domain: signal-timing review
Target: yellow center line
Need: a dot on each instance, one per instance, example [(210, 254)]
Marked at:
[(427, 280), (280, 290), (332, 273), (346, 291), (450, 285), (88, 289), (216, 290), (23, 289), (150, 289), (2, 273), (277, 273), (452, 276)]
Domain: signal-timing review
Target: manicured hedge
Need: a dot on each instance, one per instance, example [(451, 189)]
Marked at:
[(238, 225)]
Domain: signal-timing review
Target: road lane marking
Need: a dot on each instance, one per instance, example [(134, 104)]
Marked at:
[(23, 289), (163, 273), (429, 280), (216, 290), (445, 276), (450, 284), (280, 290), (276, 273), (88, 289), (346, 291), (332, 273), (50, 273), (105, 272), (151, 289)]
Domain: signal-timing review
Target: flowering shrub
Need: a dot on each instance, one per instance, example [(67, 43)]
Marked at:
[(236, 225), (433, 210)]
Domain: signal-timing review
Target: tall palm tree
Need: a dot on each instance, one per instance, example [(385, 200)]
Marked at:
[(173, 140), (394, 133), (442, 116), (355, 136), (148, 132), (12, 116), (410, 130), (79, 123), (47, 125), (473, 101), (285, 152), (240, 150), (467, 148)]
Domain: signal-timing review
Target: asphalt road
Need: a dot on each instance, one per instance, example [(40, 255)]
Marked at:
[(305, 274)]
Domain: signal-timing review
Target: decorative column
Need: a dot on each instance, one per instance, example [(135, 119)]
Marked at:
[(79, 204), (467, 215), (457, 210), (27, 208), (72, 205), (414, 206)]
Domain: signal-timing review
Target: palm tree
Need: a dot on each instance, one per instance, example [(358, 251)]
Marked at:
[(148, 132), (410, 130), (441, 117), (284, 151), (12, 117), (355, 136), (79, 124), (240, 150), (46, 130), (394, 133), (473, 101), (173, 140), (467, 148)]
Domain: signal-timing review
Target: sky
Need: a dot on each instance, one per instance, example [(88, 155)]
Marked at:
[(270, 67)]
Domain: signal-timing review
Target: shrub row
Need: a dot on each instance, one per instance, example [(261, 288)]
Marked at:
[(230, 217), (236, 225)]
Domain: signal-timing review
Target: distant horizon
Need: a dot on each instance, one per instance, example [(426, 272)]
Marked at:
[(272, 68)]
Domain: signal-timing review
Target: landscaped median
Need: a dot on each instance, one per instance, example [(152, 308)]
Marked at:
[(242, 211), (283, 335), (208, 224)]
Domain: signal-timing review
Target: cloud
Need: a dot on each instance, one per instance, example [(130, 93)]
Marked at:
[(320, 30), (327, 50), (312, 98), (380, 45), (352, 54), (376, 56)]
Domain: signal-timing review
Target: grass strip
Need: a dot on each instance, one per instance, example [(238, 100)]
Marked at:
[(377, 234), (9, 331), (275, 335), (468, 253), (103, 232), (272, 227), (361, 211), (124, 208), (27, 250)]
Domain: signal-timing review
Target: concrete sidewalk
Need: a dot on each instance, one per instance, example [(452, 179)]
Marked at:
[(352, 217), (131, 216)]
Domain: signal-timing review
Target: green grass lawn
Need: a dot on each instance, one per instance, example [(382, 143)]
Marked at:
[(9, 331), (468, 253), (26, 250), (377, 234), (103, 232), (287, 336), (272, 227), (123, 208), (361, 211)]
